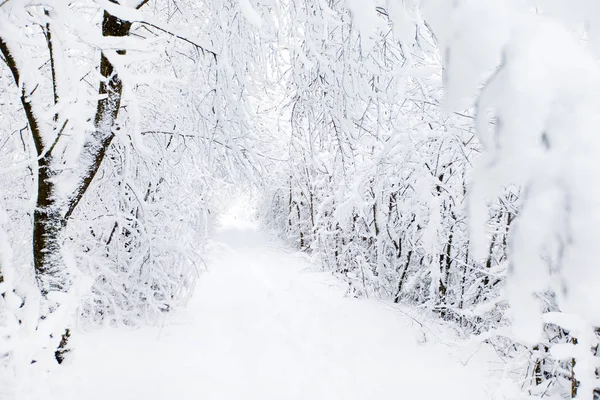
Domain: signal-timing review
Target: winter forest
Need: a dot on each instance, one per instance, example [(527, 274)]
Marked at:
[(299, 199)]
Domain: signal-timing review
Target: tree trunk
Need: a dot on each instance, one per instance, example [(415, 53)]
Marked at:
[(106, 112), (48, 228)]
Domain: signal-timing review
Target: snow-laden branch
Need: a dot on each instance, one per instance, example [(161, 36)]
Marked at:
[(133, 15)]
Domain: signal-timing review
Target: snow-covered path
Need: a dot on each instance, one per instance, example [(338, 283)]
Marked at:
[(264, 325)]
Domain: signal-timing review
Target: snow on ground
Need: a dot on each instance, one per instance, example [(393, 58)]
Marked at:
[(264, 324)]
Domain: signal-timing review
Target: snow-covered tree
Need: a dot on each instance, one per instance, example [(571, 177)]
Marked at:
[(124, 126), (429, 163)]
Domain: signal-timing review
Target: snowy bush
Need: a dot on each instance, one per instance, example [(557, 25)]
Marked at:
[(466, 191)]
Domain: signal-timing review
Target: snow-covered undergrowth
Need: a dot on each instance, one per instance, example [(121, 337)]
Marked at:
[(440, 154), (264, 323)]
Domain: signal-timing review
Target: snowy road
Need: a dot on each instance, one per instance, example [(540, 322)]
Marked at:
[(264, 325)]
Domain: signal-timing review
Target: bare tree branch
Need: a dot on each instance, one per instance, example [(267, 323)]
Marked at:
[(196, 45), (25, 96), (132, 16), (139, 5)]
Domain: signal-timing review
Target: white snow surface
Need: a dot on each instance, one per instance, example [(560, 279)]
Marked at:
[(266, 324), (251, 15)]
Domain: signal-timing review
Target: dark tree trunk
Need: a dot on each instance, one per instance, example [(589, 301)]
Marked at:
[(48, 227)]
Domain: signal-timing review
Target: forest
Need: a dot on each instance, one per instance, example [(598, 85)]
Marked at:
[(435, 157)]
